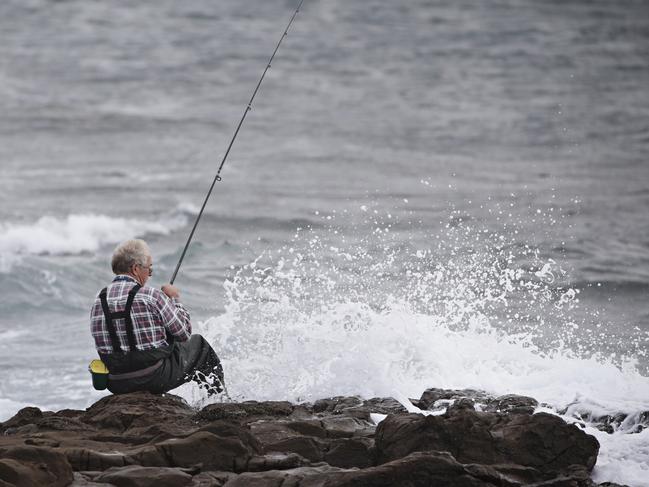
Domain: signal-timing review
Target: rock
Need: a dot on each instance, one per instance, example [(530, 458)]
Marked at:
[(22, 430), (209, 451), (137, 410), (446, 397), (81, 480), (302, 411), (466, 435), (464, 403), (136, 476), (384, 405), (541, 441), (609, 423), (335, 405), (305, 446), (69, 413), (271, 432), (319, 437), (212, 479), (573, 477), (437, 469), (42, 442), (512, 404), (33, 465), (151, 433), (63, 423), (546, 442), (350, 452), (222, 412), (215, 452), (346, 427), (289, 478), (244, 410), (90, 474), (276, 461), (356, 407), (309, 427), (272, 478), (421, 469), (518, 473), (87, 459), (229, 430), (25, 416), (285, 436), (435, 399)]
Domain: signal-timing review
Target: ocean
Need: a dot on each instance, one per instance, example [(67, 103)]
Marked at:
[(425, 194)]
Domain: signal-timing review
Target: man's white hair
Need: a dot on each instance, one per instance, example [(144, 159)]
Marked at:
[(129, 253)]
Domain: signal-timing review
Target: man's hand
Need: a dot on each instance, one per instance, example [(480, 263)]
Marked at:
[(171, 291)]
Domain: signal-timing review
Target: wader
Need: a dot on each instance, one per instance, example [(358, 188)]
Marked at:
[(161, 369)]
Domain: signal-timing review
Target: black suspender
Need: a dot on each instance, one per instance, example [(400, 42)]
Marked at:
[(126, 314), (130, 334), (109, 322)]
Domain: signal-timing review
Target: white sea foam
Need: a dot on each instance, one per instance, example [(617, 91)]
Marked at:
[(78, 233), (71, 235), (623, 458), (398, 352)]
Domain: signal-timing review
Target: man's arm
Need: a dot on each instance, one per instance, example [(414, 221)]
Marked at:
[(173, 314)]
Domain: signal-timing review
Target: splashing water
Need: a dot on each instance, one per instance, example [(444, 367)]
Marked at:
[(380, 317), (324, 319)]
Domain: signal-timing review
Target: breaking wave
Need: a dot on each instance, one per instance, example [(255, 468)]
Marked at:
[(79, 233), (377, 317)]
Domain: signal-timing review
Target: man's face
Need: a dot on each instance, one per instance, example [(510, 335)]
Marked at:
[(143, 272)]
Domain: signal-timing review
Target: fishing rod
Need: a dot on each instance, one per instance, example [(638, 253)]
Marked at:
[(236, 132)]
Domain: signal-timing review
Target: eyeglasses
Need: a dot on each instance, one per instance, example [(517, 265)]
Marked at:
[(147, 267)]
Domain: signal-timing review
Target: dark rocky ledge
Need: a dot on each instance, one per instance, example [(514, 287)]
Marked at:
[(139, 440)]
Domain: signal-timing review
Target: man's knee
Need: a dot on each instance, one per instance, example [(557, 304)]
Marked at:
[(199, 342), (195, 338)]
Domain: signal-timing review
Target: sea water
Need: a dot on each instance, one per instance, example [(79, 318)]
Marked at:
[(426, 194)]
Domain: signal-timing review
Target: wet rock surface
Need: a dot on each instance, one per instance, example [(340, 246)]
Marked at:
[(142, 439), (541, 441)]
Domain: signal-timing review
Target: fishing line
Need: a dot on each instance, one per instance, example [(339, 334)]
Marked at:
[(227, 152)]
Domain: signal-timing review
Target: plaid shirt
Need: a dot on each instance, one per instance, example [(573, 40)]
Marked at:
[(153, 313)]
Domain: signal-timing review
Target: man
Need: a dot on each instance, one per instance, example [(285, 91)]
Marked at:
[(144, 335)]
